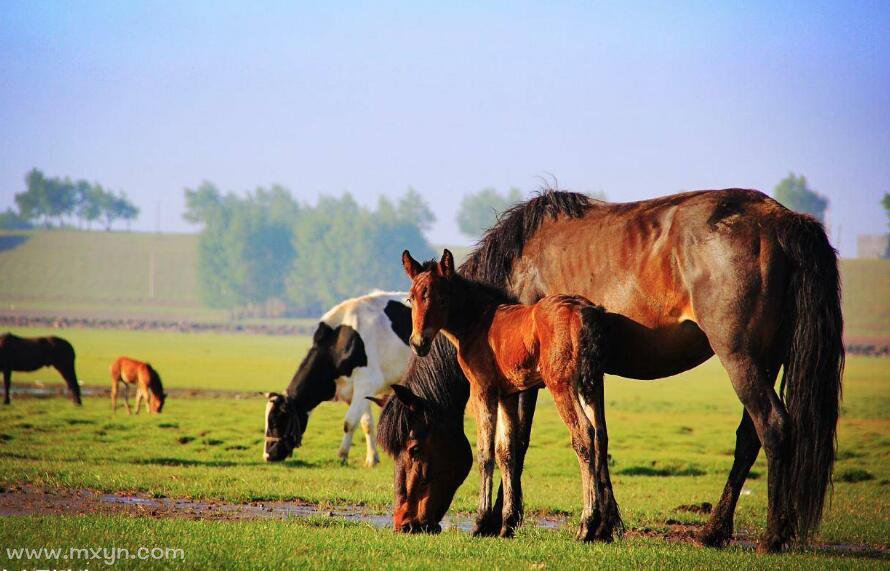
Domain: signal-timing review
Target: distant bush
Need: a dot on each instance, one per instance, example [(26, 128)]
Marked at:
[(12, 220), (264, 250)]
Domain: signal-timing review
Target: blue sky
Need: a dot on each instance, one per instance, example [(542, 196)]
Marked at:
[(636, 100)]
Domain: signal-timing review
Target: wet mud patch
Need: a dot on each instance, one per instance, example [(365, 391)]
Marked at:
[(31, 500)]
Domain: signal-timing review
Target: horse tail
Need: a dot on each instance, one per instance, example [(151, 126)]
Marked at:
[(812, 368), (592, 351)]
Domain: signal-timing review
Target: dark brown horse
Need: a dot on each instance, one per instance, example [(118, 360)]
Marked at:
[(148, 385), (30, 354), (683, 277), (504, 348)]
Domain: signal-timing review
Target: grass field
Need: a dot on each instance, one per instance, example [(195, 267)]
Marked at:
[(671, 442)]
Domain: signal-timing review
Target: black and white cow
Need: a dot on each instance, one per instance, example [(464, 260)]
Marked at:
[(359, 349)]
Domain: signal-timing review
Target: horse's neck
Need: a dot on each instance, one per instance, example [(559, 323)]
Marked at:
[(472, 313)]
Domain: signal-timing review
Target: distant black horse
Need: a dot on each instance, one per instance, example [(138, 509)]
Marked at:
[(30, 354)]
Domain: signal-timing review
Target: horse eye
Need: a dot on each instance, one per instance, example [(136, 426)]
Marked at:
[(414, 451)]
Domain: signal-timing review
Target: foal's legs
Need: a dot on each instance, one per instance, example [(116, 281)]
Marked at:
[(527, 401), (486, 419), (582, 431), (127, 397), (610, 518), (506, 445), (718, 531), (7, 381)]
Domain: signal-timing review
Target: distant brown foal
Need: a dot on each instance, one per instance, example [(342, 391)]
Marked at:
[(503, 348), (148, 385)]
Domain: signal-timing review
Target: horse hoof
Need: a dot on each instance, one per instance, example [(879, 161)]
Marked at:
[(714, 538), (487, 526), (507, 532), (768, 545)]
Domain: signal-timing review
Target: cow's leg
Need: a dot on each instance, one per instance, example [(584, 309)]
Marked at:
[(718, 531), (506, 445), (7, 382), (372, 458), (486, 421), (357, 409)]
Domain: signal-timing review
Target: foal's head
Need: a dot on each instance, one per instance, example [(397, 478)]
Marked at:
[(430, 297), (157, 396)]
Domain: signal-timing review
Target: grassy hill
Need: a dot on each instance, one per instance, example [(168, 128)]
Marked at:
[(106, 274), (99, 273)]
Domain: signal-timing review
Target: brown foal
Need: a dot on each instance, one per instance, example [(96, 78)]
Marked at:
[(505, 347), (148, 385)]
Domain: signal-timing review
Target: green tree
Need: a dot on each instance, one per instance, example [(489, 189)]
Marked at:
[(480, 210), (33, 203), (412, 207), (245, 249), (885, 202), (344, 250), (12, 220), (795, 193), (87, 202)]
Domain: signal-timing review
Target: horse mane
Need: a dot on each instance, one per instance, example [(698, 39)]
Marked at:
[(437, 378), (154, 380)]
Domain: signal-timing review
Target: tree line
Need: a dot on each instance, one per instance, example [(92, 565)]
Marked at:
[(54, 201), (267, 254)]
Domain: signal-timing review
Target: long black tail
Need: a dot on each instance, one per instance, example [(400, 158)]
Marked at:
[(593, 350), (813, 368)]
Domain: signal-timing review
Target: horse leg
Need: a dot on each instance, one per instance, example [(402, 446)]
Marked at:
[(114, 383), (372, 458), (139, 397), (7, 382), (486, 419), (610, 517), (506, 444), (754, 386), (127, 397), (718, 531), (583, 434), (526, 413)]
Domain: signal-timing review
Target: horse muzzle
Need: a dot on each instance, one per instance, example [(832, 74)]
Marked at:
[(421, 345)]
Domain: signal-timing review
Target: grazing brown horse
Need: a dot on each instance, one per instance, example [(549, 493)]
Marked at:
[(504, 348), (148, 385), (30, 354), (682, 277)]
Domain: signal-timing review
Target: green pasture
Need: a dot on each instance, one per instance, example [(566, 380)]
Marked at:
[(233, 361), (671, 441), (323, 544)]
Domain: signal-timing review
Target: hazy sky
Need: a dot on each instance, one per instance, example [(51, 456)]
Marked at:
[(635, 100)]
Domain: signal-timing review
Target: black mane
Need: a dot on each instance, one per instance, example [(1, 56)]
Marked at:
[(437, 378)]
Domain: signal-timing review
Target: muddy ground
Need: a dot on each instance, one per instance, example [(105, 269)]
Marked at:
[(30, 500)]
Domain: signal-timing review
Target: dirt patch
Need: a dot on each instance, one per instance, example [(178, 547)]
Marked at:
[(30, 500), (702, 508), (39, 389), (15, 320)]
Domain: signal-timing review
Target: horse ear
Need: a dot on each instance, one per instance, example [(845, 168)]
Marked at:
[(378, 401), (446, 264), (412, 267), (409, 399)]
